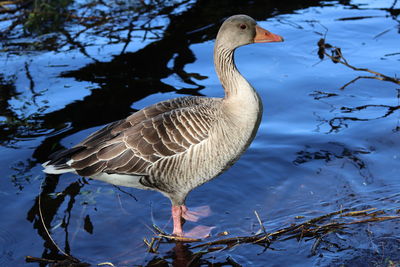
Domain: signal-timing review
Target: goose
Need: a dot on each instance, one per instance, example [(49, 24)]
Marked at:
[(177, 145)]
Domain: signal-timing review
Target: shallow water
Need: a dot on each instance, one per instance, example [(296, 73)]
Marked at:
[(319, 148)]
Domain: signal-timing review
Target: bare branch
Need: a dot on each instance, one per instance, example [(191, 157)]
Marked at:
[(337, 57)]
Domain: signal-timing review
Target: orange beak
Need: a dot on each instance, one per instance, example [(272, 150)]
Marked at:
[(264, 36)]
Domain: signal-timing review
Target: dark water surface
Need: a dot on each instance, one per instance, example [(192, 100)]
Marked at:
[(319, 148)]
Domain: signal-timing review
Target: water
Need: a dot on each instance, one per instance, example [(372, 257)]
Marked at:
[(319, 148)]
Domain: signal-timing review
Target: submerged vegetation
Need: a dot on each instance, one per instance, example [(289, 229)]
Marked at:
[(319, 230)]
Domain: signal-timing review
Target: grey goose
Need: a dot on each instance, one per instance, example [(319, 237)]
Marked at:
[(177, 145)]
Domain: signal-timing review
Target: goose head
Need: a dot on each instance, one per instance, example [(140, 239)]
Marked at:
[(241, 30)]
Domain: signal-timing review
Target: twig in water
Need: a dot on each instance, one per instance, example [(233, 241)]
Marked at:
[(159, 230), (260, 222), (180, 238), (36, 259), (358, 213), (316, 245), (45, 228), (150, 245), (105, 263), (337, 57), (311, 228), (68, 260)]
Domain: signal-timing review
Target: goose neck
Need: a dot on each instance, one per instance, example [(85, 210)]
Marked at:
[(231, 79), (226, 69)]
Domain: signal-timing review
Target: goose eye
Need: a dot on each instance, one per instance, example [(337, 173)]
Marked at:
[(243, 26)]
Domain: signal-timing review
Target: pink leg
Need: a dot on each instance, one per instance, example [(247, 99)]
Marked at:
[(179, 213), (177, 219)]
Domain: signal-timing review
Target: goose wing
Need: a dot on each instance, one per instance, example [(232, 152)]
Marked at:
[(130, 146)]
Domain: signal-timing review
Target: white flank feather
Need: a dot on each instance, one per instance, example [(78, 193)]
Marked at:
[(51, 169)]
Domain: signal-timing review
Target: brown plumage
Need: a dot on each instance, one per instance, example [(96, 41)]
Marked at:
[(176, 145)]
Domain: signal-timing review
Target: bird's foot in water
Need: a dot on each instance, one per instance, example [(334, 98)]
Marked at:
[(195, 234), (199, 232), (182, 213), (194, 214)]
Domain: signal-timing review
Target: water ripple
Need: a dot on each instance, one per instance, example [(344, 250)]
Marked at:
[(7, 244)]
